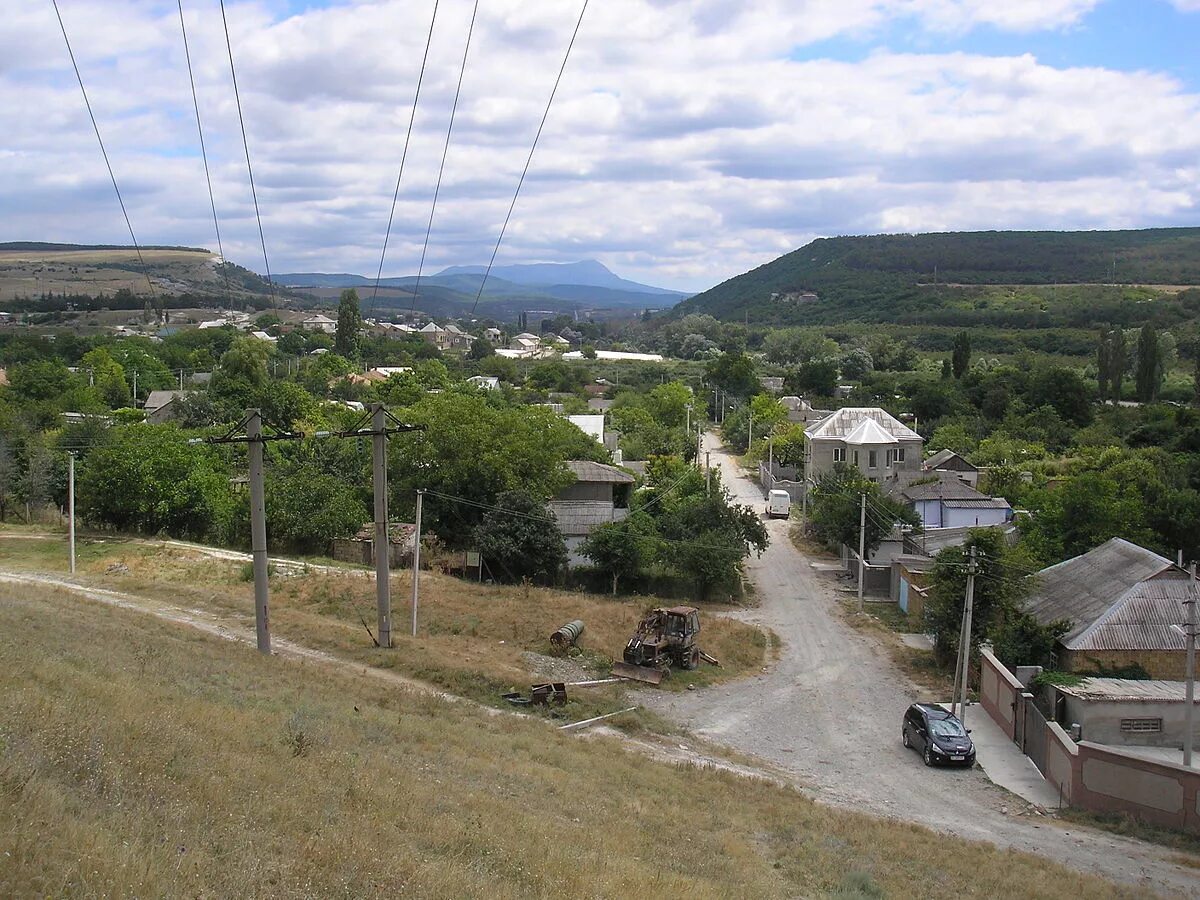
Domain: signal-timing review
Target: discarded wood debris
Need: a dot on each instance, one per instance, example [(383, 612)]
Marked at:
[(595, 719)]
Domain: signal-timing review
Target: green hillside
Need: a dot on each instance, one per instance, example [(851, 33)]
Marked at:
[(1015, 278)]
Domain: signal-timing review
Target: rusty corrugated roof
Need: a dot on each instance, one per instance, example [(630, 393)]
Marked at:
[(1125, 690)]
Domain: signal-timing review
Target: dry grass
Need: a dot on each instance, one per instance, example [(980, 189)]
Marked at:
[(1119, 823), (471, 638), (141, 759), (885, 622)]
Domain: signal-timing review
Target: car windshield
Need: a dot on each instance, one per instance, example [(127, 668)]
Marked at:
[(947, 728)]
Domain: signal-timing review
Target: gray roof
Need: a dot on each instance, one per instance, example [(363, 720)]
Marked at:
[(838, 425), (933, 541), (159, 399), (977, 503), (942, 457), (585, 470), (1126, 690), (1118, 596), (942, 489)]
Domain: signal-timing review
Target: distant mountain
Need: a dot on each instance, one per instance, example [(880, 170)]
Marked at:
[(588, 272), (919, 276), (509, 289)]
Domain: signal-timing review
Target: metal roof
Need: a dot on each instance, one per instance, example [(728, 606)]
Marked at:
[(869, 432), (1114, 598), (841, 423), (977, 503), (944, 456), (950, 488), (585, 470), (1126, 690)]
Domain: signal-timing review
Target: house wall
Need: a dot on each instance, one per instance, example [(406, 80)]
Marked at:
[(998, 692), (930, 512), (1100, 721), (1167, 665), (587, 490), (971, 518), (362, 552)]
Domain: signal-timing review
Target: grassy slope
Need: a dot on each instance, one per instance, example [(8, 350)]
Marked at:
[(878, 278), (142, 759)]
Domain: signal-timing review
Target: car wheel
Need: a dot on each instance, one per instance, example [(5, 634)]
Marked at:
[(904, 736), (927, 756)]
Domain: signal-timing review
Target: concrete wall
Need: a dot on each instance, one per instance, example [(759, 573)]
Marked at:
[(972, 518), (877, 580), (1100, 721), (362, 552), (998, 692), (1094, 776)]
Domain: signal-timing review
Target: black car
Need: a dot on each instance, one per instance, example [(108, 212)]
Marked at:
[(938, 736)]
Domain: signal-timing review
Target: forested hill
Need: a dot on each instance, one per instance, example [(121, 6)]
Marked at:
[(882, 277)]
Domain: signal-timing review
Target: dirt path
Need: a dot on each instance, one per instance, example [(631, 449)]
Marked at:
[(829, 712)]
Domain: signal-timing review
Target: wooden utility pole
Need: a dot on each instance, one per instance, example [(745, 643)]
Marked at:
[(1189, 701), (862, 546), (383, 587), (258, 529), (416, 564), (71, 506)]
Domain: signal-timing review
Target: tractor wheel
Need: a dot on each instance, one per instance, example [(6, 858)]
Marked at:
[(691, 659)]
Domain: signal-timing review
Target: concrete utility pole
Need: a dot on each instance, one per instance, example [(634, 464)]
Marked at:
[(771, 459), (258, 529), (972, 568), (699, 442), (71, 507), (687, 426), (750, 439), (416, 564), (135, 388), (707, 473), (862, 546), (1189, 701), (383, 587)]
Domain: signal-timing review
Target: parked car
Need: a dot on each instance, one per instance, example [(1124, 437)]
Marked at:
[(779, 504), (939, 737)]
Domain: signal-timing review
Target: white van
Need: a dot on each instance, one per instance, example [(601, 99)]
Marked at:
[(779, 503)]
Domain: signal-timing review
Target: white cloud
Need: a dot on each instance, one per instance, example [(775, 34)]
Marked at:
[(686, 143), (1186, 5)]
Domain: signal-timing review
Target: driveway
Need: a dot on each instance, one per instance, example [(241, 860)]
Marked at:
[(829, 711)]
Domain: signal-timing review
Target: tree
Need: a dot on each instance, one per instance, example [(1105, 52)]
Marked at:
[(623, 549), (797, 346), (961, 358), (522, 536), (818, 376), (108, 377), (349, 323), (1000, 587), (589, 351), (835, 511), (857, 363), (708, 537), (788, 443), (734, 374), (952, 436), (1065, 390), (1149, 375), (481, 348), (308, 508), (1084, 513), (8, 471)]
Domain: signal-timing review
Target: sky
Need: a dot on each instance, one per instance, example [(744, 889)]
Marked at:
[(689, 141)]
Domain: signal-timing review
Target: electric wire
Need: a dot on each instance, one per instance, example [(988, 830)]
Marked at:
[(187, 54), (445, 152), (529, 159), (246, 146), (403, 157), (96, 127)]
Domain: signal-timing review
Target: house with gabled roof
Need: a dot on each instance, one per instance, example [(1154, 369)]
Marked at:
[(942, 501), (949, 461), (869, 438), (599, 495), (1124, 604)]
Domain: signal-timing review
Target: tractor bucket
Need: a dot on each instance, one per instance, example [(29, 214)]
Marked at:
[(638, 673)]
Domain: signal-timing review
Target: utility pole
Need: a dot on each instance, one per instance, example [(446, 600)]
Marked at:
[(750, 439), (71, 506), (771, 459), (972, 569), (862, 546), (383, 588), (416, 564), (687, 426), (135, 388), (707, 473), (699, 442), (258, 528), (1189, 701)]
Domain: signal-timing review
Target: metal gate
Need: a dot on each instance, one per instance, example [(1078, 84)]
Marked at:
[(1034, 735)]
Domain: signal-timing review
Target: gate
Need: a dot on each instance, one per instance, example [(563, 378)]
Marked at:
[(1034, 735)]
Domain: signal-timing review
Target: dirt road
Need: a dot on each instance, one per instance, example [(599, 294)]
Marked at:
[(829, 713)]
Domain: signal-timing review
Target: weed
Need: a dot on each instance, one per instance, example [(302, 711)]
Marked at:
[(296, 735)]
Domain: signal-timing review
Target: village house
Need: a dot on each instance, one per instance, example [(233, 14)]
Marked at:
[(946, 502), (599, 494), (868, 438), (485, 382), (1124, 712), (158, 406), (1124, 604), (318, 322), (949, 461)]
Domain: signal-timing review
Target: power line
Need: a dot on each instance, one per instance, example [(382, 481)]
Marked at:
[(104, 152), (529, 159), (204, 153), (246, 146), (403, 156), (445, 151)]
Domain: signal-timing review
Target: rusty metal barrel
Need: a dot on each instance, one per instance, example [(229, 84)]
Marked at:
[(567, 635)]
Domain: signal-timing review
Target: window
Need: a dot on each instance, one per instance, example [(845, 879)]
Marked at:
[(855, 457), (899, 454), (839, 454), (1141, 726), (872, 459)]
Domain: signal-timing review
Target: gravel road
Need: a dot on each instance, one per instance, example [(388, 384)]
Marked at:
[(829, 712)]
